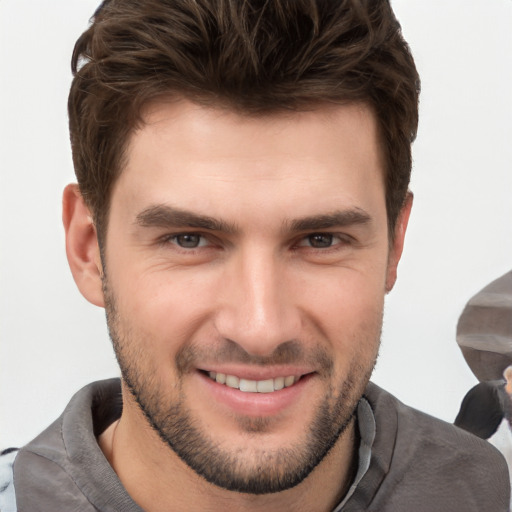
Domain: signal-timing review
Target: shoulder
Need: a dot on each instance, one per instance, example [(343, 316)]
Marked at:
[(416, 457), (63, 468), (431, 434)]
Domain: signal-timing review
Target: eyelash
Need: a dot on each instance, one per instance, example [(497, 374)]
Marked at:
[(172, 239), (206, 242), (342, 240)]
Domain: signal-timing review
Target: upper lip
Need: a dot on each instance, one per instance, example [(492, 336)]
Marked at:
[(258, 373)]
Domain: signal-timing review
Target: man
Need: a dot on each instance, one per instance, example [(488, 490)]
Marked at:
[(484, 330), (241, 208), (484, 335)]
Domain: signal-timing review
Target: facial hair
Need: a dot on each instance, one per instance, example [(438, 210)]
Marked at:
[(256, 472)]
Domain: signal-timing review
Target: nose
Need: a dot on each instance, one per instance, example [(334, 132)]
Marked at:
[(257, 303)]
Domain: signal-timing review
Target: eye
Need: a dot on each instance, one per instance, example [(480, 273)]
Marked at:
[(189, 240), (319, 241), (325, 241)]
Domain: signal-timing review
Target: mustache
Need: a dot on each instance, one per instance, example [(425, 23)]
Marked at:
[(190, 356)]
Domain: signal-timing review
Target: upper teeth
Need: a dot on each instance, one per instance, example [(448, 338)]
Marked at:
[(253, 386)]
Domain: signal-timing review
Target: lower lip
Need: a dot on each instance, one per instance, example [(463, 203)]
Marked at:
[(256, 404)]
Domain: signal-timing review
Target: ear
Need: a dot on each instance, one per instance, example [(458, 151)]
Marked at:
[(397, 243), (82, 247)]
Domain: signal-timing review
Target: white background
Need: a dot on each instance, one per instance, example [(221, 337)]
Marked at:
[(460, 236)]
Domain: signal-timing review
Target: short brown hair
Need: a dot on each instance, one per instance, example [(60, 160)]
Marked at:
[(254, 56)]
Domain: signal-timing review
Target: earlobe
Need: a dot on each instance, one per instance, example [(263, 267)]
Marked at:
[(397, 244), (82, 247)]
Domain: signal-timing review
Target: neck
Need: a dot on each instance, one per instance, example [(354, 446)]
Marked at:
[(158, 480)]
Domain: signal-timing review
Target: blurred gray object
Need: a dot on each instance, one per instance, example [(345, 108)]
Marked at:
[(484, 331)]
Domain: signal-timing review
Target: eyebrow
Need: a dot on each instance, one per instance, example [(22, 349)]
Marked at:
[(165, 216), (339, 218)]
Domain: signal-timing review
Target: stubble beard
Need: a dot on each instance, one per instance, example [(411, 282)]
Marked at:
[(244, 470)]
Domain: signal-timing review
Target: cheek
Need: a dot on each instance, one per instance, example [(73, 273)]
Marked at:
[(166, 308), (344, 297), (348, 311)]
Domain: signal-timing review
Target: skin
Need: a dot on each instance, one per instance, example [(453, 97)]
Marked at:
[(299, 255), (507, 375)]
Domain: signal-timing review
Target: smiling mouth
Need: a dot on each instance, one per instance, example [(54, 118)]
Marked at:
[(254, 386)]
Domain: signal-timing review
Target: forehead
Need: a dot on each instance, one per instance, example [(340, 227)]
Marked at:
[(217, 160), (215, 129)]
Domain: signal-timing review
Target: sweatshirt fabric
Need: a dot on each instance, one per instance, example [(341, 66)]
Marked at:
[(407, 461)]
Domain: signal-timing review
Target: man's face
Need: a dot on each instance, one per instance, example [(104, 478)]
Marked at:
[(246, 264)]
